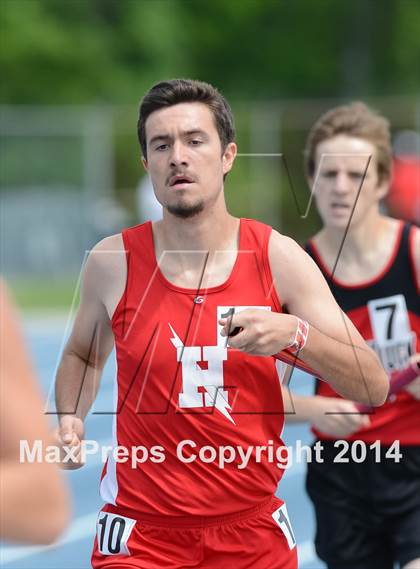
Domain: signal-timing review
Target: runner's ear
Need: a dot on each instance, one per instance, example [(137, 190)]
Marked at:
[(382, 188), (229, 156)]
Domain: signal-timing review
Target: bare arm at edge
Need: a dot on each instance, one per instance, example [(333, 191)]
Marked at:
[(34, 503), (91, 340)]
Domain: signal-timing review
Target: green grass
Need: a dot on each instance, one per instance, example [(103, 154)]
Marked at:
[(34, 294)]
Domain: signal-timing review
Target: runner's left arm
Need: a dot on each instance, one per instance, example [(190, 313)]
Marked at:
[(334, 348)]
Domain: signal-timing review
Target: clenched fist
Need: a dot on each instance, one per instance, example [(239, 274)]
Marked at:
[(69, 436), (259, 332)]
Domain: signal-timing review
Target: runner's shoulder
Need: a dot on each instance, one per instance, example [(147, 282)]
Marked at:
[(112, 243), (106, 262), (284, 249)]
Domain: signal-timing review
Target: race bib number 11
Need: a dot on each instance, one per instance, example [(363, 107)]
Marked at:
[(281, 517)]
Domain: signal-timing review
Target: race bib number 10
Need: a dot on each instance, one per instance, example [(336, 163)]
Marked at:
[(113, 532)]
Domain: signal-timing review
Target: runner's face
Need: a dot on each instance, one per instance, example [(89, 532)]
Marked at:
[(185, 159), (343, 165)]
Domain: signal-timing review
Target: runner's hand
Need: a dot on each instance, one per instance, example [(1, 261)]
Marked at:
[(261, 332), (337, 417), (414, 387), (69, 436)]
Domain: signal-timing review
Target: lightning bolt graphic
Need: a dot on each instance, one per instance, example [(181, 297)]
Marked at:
[(176, 340), (214, 392), (219, 402)]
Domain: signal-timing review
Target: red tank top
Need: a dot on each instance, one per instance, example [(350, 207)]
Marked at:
[(386, 311), (178, 382)]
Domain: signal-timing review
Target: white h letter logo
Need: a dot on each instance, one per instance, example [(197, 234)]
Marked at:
[(194, 377)]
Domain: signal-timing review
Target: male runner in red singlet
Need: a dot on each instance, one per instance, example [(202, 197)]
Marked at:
[(366, 496), (169, 294)]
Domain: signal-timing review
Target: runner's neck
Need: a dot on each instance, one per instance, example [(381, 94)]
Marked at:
[(365, 251), (193, 245)]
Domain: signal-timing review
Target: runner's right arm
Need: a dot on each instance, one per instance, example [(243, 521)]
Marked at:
[(90, 342)]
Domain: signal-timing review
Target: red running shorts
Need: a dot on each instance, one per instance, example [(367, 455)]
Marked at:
[(259, 538)]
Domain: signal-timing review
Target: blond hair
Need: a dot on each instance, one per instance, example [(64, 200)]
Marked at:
[(359, 121)]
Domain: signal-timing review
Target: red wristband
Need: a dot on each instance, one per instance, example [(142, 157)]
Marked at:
[(300, 338)]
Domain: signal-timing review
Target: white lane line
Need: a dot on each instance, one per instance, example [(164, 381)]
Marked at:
[(81, 528)]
